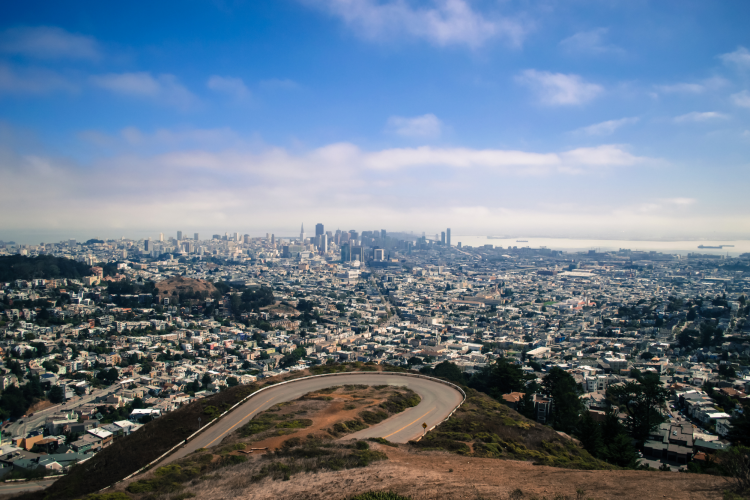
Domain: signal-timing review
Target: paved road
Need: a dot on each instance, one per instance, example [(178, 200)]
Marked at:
[(438, 400), (13, 488), (37, 420)]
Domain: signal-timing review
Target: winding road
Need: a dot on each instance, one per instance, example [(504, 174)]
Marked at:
[(438, 401)]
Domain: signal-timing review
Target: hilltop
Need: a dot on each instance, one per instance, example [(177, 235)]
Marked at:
[(185, 288)]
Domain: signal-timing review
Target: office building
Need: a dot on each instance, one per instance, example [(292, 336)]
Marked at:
[(161, 236), (379, 254), (319, 229), (323, 243), (302, 234), (448, 236), (442, 238), (195, 236), (358, 253), (179, 235), (146, 244), (346, 255), (383, 234)]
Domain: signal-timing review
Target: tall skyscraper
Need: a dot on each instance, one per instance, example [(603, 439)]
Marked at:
[(146, 244), (273, 240), (448, 236), (346, 255), (442, 237), (161, 236), (302, 233), (383, 234), (319, 229), (323, 243), (179, 235), (195, 236)]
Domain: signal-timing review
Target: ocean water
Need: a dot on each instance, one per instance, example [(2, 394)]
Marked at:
[(581, 245)]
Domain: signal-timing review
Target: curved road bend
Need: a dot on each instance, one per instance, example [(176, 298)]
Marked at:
[(438, 400)]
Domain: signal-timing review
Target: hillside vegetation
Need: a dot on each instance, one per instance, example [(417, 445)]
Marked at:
[(482, 427), (19, 267)]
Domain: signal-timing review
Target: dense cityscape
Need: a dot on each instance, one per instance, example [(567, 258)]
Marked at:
[(100, 337)]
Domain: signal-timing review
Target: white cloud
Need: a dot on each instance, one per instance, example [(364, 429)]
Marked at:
[(697, 116), (48, 42), (558, 89), (590, 42), (163, 89), (608, 127), (522, 162), (235, 87), (739, 58), (425, 126), (706, 85), (447, 22), (32, 80), (742, 99), (680, 201)]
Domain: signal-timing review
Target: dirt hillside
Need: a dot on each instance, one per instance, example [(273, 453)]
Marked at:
[(181, 284), (440, 475)]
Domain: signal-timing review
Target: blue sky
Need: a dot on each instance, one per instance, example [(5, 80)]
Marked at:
[(562, 118)]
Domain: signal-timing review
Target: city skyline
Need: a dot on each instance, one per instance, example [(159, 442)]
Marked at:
[(629, 120)]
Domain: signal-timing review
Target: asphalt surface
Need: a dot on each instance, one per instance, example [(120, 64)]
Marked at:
[(438, 400), (21, 486), (37, 420)]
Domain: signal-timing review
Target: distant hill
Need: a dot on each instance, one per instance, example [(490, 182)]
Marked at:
[(19, 267), (186, 288)]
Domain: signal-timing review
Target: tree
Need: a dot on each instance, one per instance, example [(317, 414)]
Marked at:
[(642, 400), (138, 403), (449, 370), (735, 463), (739, 434), (206, 379), (564, 391), (56, 394), (232, 382), (590, 434), (499, 378)]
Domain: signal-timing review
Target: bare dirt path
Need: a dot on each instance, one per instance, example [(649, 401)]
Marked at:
[(444, 476)]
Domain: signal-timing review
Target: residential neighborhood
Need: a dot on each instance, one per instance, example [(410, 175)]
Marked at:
[(139, 328)]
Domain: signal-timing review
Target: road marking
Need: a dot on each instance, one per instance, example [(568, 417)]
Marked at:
[(407, 425), (235, 425)]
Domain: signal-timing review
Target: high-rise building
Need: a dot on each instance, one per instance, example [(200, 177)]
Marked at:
[(273, 240), (379, 254), (442, 237), (179, 235), (161, 236), (346, 255), (358, 253), (383, 234), (319, 229), (448, 236), (195, 236), (146, 244), (302, 233), (323, 245)]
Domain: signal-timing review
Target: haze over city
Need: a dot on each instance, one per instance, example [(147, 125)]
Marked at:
[(564, 119)]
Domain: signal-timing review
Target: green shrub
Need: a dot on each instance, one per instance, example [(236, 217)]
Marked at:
[(362, 445), (380, 495), (383, 441), (116, 495)]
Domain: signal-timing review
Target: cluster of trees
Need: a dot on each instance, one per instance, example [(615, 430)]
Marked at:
[(707, 336), (252, 300), (15, 401), (608, 440), (19, 267)]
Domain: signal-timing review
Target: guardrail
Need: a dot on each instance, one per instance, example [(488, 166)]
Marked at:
[(268, 387)]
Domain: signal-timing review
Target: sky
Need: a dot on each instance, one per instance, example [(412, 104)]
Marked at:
[(570, 118)]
